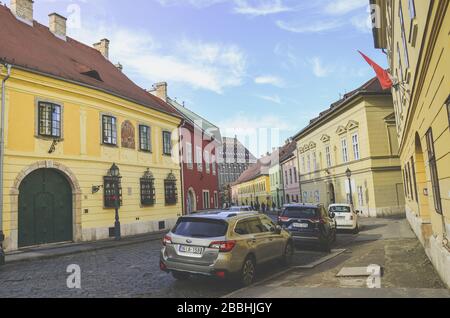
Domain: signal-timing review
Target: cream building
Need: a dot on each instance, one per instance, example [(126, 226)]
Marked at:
[(415, 37), (356, 133)]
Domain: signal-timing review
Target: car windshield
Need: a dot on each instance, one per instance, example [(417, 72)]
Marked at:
[(300, 213), (193, 227), (340, 209)]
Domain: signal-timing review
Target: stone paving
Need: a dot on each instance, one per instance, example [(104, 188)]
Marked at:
[(126, 271)]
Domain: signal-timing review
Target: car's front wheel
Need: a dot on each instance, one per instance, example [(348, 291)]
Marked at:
[(248, 272), (180, 275), (288, 254)]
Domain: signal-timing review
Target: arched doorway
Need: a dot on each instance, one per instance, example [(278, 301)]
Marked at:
[(45, 211), (421, 179), (191, 201)]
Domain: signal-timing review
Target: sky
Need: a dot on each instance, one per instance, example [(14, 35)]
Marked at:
[(253, 67)]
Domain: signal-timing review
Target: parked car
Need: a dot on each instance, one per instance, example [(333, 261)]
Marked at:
[(346, 217), (309, 223), (224, 245), (240, 209)]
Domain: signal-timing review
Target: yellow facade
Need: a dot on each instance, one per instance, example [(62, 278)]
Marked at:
[(256, 191), (415, 35), (358, 135), (82, 158)]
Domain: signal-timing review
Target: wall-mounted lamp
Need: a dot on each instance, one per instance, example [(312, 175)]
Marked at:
[(96, 189)]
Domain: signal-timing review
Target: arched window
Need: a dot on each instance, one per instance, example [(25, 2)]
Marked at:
[(170, 189)]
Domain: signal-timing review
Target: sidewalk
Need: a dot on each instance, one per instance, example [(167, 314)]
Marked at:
[(64, 249), (406, 270)]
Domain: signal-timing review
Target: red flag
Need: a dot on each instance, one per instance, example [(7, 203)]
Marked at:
[(382, 74)]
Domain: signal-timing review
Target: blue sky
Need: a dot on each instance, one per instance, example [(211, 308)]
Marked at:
[(245, 65)]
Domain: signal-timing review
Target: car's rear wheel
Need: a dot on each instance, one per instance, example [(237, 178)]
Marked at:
[(248, 272), (180, 275)]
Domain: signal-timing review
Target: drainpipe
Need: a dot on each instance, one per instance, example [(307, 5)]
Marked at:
[(2, 151), (181, 166)]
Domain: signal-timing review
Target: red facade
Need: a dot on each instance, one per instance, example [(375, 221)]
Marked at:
[(200, 171)]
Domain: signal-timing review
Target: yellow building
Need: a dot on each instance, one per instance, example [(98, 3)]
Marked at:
[(415, 36), (253, 186), (356, 133), (69, 115)]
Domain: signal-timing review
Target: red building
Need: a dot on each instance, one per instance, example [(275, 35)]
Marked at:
[(199, 140)]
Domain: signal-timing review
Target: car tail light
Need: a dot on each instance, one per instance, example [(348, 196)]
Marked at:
[(351, 218), (283, 219), (167, 240), (162, 266), (224, 247), (220, 274)]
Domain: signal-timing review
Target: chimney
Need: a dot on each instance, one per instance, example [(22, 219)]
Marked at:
[(103, 47), (57, 25), (160, 90), (23, 10)]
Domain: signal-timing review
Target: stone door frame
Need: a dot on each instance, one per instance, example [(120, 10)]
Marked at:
[(11, 243)]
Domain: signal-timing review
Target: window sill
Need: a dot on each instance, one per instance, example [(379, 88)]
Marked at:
[(49, 138), (109, 145)]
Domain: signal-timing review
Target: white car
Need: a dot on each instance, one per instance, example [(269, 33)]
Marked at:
[(346, 217)]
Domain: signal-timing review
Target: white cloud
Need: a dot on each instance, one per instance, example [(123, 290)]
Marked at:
[(316, 27), (260, 7), (201, 65), (362, 23), (196, 3), (269, 80), (340, 7), (318, 68), (273, 99)]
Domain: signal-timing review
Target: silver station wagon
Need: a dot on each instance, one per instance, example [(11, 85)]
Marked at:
[(224, 244)]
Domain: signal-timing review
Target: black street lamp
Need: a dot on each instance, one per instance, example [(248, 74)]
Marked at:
[(114, 172), (348, 173)]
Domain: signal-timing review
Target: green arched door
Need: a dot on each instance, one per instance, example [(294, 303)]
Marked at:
[(45, 209)]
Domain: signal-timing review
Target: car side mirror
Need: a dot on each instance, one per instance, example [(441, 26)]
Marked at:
[(278, 229)]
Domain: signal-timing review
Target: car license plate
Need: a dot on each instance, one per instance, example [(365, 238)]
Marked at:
[(191, 249), (300, 225)]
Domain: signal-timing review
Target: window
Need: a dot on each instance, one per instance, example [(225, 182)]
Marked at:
[(295, 174), (216, 200), (433, 171), (207, 163), (344, 150), (49, 124), (167, 143), (290, 176), (112, 192), (109, 130), (415, 179), (355, 141), (189, 161), (303, 164), (328, 156), (147, 189), (199, 159), (206, 200), (360, 196), (308, 158), (170, 189), (213, 163), (402, 24), (412, 9), (145, 138), (314, 157), (410, 181), (286, 177)]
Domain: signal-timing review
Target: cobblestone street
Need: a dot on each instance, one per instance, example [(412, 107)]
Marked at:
[(128, 271)]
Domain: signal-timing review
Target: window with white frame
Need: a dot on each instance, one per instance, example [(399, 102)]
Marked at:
[(328, 156), (189, 158), (199, 159), (314, 158), (303, 164), (344, 150), (308, 161), (402, 25), (213, 162), (360, 196), (207, 162), (355, 142)]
